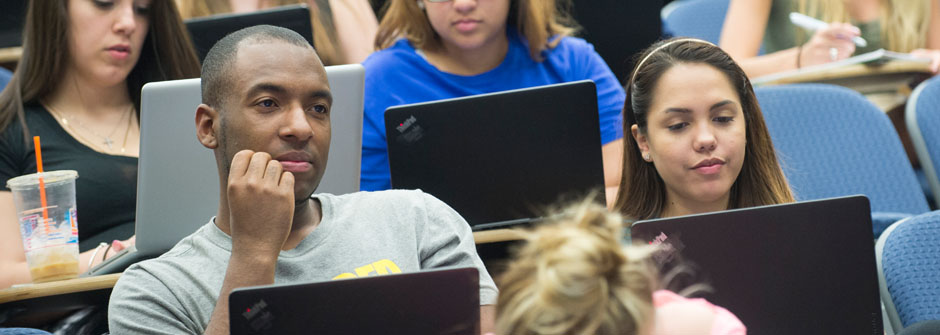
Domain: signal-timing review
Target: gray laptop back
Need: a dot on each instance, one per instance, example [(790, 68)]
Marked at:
[(178, 181)]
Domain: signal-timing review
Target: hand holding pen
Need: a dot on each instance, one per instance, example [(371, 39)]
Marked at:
[(830, 41)]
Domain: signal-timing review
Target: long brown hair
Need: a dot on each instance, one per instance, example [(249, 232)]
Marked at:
[(642, 193), (325, 38), (167, 54), (542, 22)]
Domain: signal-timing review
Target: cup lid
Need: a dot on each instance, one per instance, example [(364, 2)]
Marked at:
[(31, 180)]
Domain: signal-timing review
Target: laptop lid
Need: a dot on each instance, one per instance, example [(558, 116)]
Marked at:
[(799, 268), (178, 181), (12, 19), (500, 156), (205, 31), (428, 302)]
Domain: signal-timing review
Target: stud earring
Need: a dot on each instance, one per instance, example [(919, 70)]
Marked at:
[(420, 5), (646, 157)]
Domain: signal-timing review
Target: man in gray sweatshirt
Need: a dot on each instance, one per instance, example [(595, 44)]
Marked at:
[(266, 115)]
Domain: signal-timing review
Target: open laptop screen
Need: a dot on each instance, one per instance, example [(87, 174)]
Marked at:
[(12, 19), (800, 268), (205, 31)]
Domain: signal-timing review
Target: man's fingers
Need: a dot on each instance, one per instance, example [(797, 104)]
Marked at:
[(240, 163), (287, 180), (287, 185), (272, 172), (258, 165)]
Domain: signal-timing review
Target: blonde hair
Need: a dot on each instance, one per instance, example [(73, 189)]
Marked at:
[(325, 39), (904, 23), (574, 277), (542, 22)]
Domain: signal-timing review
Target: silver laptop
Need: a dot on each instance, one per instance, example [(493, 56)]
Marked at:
[(178, 181)]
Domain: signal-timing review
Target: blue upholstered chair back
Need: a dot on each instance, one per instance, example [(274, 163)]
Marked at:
[(701, 19), (696, 18), (908, 256), (5, 76), (831, 142), (923, 123)]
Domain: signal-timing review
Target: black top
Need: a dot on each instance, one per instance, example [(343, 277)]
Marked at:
[(106, 188)]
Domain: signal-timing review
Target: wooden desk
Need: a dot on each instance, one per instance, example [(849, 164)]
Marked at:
[(885, 78), (46, 302), (10, 55), (497, 235), (495, 248)]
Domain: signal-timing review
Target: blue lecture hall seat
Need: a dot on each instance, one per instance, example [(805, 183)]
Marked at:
[(695, 18), (923, 123), (701, 19), (831, 142), (5, 76), (908, 255)]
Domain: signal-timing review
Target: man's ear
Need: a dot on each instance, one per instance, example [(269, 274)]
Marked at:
[(207, 119), (642, 142)]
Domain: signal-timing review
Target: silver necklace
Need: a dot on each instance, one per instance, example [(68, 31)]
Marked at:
[(107, 139)]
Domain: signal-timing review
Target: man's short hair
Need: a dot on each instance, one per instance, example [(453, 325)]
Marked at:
[(216, 68)]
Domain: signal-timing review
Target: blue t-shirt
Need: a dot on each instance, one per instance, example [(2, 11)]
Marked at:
[(399, 75)]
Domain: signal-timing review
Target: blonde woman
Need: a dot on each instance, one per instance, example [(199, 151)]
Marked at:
[(342, 29), (898, 25), (574, 277)]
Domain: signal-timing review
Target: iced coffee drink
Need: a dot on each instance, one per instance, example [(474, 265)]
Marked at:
[(45, 205)]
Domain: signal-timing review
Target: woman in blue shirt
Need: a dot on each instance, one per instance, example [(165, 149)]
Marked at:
[(439, 49)]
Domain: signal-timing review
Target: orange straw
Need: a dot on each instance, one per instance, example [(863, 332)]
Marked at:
[(42, 184)]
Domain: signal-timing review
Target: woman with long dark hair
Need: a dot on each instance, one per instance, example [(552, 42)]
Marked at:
[(695, 137), (77, 86)]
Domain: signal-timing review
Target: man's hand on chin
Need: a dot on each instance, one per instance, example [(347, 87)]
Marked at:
[(261, 204)]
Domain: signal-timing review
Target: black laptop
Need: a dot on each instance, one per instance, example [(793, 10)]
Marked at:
[(12, 19), (427, 302), (500, 159), (800, 268), (205, 31)]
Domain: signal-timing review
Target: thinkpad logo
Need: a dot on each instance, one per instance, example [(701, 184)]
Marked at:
[(405, 124), (254, 310), (669, 247)]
